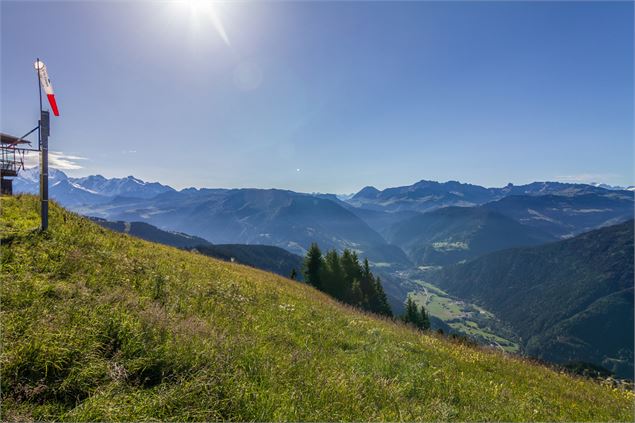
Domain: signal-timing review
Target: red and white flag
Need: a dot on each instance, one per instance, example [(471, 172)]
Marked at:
[(46, 84)]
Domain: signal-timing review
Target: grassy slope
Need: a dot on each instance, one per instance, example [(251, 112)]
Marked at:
[(102, 326)]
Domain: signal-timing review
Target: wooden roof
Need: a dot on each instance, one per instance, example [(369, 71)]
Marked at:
[(11, 140)]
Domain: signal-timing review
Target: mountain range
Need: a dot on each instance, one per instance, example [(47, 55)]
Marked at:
[(248, 216), (424, 223), (429, 195), (94, 189)]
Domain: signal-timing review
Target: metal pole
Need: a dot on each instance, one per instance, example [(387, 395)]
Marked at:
[(43, 144), (39, 86), (38, 83), (44, 169)]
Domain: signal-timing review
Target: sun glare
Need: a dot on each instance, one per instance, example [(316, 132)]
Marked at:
[(206, 9)]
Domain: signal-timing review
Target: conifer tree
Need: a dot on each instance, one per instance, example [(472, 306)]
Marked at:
[(424, 319), (415, 316), (355, 296), (350, 266), (294, 274), (367, 286), (334, 280), (411, 314), (313, 266), (384, 306)]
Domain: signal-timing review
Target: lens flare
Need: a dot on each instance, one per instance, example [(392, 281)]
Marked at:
[(206, 9)]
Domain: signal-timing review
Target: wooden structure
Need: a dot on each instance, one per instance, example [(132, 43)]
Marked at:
[(12, 151)]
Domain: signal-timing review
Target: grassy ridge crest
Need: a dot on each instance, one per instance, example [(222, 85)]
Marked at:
[(102, 326)]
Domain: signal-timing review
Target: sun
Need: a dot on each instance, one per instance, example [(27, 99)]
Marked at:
[(206, 10)]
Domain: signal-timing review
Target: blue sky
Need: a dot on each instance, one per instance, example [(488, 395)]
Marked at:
[(329, 96)]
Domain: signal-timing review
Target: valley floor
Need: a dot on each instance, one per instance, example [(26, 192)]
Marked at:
[(466, 318)]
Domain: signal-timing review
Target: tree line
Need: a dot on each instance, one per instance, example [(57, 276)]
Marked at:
[(346, 279)]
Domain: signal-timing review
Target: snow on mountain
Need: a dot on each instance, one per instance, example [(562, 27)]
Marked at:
[(94, 189), (127, 187), (610, 187)]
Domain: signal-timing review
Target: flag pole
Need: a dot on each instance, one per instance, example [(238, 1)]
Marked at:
[(43, 144), (39, 85)]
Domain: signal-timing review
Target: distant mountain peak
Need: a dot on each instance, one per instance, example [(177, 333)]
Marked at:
[(32, 174), (367, 192), (189, 190), (133, 179), (426, 182)]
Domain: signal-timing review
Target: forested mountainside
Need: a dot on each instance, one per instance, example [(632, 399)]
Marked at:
[(570, 300)]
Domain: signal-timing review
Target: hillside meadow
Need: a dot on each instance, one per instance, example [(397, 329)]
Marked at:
[(101, 326)]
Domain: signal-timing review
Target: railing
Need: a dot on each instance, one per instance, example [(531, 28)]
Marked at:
[(10, 162)]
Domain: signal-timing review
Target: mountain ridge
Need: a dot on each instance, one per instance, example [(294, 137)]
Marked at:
[(292, 220), (428, 195), (462, 189)]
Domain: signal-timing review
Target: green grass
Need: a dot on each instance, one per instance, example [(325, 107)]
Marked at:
[(101, 326)]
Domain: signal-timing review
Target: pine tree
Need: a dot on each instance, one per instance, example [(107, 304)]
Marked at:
[(415, 316), (355, 296), (313, 266), (384, 306), (424, 319), (334, 281), (411, 315), (350, 265), (367, 286), (294, 274)]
